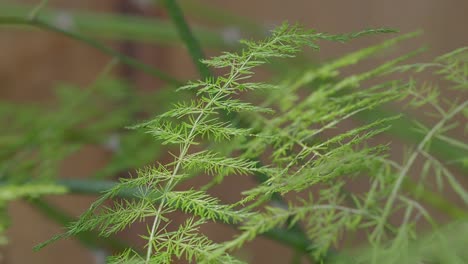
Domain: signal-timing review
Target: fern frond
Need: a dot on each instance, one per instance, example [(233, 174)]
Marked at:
[(277, 217), (129, 256), (110, 220), (201, 204), (220, 166), (168, 132), (328, 70), (218, 131), (234, 105), (182, 109), (187, 243)]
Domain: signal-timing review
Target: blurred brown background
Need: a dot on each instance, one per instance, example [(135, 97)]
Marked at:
[(32, 62)]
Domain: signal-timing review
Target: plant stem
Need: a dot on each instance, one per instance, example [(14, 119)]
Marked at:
[(187, 37), (117, 26), (94, 187), (435, 200), (440, 147), (37, 22), (402, 176)]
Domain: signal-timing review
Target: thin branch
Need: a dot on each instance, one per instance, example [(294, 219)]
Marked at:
[(403, 173), (36, 22), (187, 37), (457, 187), (429, 197)]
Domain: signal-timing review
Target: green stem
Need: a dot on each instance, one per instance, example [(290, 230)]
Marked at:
[(94, 187), (439, 147), (187, 37), (36, 22), (403, 173), (117, 26), (435, 200)]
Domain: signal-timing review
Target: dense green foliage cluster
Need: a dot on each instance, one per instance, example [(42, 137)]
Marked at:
[(292, 134)]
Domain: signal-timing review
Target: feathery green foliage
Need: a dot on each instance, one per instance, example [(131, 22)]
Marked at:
[(296, 133)]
